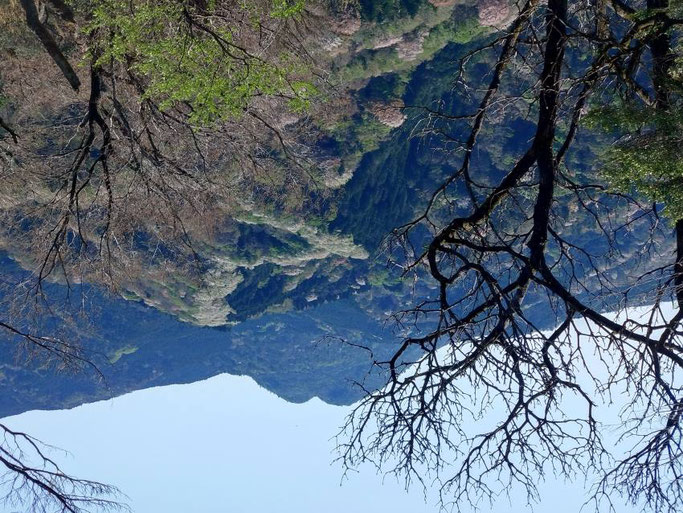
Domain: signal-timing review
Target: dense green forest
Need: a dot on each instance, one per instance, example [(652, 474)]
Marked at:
[(381, 10)]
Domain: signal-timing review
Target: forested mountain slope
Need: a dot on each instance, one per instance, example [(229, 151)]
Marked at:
[(257, 264)]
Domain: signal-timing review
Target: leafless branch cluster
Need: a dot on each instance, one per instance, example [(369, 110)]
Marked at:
[(40, 485), (481, 396)]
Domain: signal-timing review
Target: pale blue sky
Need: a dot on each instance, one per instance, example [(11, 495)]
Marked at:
[(227, 445)]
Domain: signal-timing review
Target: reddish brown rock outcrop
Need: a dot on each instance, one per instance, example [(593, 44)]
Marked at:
[(389, 114), (494, 13)]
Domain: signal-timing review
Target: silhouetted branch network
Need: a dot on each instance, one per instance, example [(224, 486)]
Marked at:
[(485, 394), (32, 480)]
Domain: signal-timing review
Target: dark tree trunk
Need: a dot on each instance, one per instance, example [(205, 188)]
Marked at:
[(50, 45)]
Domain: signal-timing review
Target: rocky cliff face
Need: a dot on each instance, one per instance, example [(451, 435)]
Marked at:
[(495, 13)]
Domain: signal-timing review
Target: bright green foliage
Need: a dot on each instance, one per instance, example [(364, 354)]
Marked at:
[(287, 8), (649, 161), (200, 59), (375, 63)]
